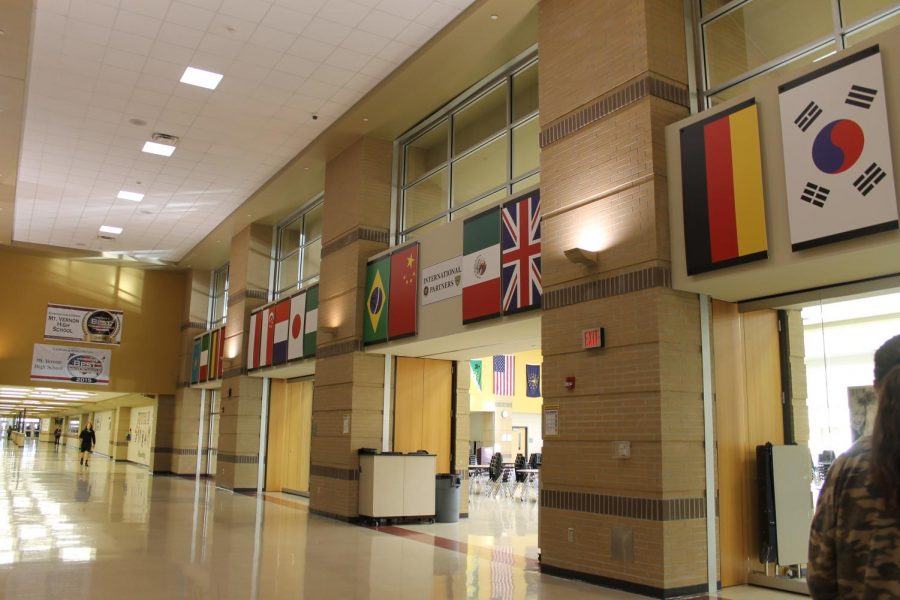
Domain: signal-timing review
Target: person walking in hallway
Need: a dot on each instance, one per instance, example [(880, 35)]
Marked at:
[(854, 542), (88, 439), (56, 435)]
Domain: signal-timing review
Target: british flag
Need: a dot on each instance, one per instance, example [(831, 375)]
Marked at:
[(521, 247)]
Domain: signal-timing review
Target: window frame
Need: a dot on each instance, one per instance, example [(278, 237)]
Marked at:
[(279, 259), (220, 274)]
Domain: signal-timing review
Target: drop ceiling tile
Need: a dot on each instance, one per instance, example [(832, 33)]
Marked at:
[(362, 83), (345, 12), (326, 31), (403, 8), (149, 8), (415, 34), (180, 35), (136, 24), (187, 15), (54, 6), (347, 59), (114, 74), (378, 68), (307, 6), (162, 68), (285, 19), (333, 75), (273, 39), (396, 52), (125, 60), (88, 32), (212, 5), (171, 52), (365, 42), (74, 46), (260, 56), (296, 65), (319, 89), (346, 96), (437, 15), (131, 43), (218, 45), (383, 23), (250, 10), (311, 49)]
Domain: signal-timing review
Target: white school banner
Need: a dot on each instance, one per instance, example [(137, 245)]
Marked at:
[(441, 281), (837, 153), (70, 363), (80, 324)]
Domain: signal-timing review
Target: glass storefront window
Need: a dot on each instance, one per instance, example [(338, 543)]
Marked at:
[(477, 147), (299, 249), (854, 11), (480, 119), (426, 152), (760, 31), (480, 170)]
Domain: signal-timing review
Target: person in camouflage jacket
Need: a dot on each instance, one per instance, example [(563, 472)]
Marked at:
[(854, 544)]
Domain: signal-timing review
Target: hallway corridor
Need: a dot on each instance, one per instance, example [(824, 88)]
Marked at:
[(112, 530)]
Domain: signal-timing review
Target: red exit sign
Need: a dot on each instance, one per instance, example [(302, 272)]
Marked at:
[(592, 338)]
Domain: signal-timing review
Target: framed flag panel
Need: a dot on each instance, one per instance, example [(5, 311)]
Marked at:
[(520, 242), (481, 266), (404, 292), (837, 152), (311, 326), (296, 323), (722, 190), (378, 282)]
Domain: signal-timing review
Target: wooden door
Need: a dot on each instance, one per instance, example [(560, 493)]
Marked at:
[(298, 417), (422, 408)]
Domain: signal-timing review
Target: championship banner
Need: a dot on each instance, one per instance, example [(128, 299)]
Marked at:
[(442, 281), (79, 324), (722, 190), (837, 153), (520, 241), (311, 326), (403, 292), (71, 364), (375, 319), (481, 266)]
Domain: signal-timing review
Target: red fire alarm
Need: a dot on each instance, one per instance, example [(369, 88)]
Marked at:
[(570, 383)]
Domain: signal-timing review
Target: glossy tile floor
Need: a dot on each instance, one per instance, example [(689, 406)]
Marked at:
[(114, 531)]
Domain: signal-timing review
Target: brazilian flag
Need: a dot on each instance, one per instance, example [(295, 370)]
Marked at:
[(375, 318)]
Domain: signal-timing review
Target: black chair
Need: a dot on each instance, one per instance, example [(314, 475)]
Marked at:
[(520, 464)]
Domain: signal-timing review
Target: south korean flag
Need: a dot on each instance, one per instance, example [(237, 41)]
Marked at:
[(837, 153)]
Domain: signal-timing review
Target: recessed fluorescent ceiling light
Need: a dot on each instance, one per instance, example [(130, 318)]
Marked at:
[(133, 196), (201, 78), (160, 149), (110, 229)]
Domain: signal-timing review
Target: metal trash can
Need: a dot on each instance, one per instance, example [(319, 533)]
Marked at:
[(446, 498)]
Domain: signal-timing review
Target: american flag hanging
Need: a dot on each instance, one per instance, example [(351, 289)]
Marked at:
[(504, 375), (521, 244)]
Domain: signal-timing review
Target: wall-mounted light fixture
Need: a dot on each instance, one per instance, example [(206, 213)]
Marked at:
[(328, 329), (581, 256)]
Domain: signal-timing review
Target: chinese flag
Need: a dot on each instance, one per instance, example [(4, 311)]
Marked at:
[(404, 290)]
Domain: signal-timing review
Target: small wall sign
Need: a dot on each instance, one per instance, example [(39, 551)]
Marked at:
[(592, 338)]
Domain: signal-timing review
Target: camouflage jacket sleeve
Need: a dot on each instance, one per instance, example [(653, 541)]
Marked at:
[(822, 568)]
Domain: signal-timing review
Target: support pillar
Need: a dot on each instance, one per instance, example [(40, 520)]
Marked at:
[(349, 384), (612, 75)]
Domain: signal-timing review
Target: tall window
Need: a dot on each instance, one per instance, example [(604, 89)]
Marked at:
[(299, 249), (744, 41), (480, 148), (218, 300)]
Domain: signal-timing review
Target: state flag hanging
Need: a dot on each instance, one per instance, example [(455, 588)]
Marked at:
[(254, 338), (204, 357), (533, 381), (722, 190), (280, 335), (481, 266), (475, 365), (295, 326), (375, 319), (520, 238), (837, 152), (311, 326), (404, 292)]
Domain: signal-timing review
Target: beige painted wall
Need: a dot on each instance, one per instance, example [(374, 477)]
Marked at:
[(147, 359), (786, 271)]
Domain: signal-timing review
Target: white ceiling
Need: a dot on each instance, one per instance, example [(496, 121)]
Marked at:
[(97, 64)]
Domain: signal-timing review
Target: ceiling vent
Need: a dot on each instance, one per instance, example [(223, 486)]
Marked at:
[(164, 138), (103, 236)]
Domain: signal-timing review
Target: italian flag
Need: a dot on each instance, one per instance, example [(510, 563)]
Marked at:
[(481, 266)]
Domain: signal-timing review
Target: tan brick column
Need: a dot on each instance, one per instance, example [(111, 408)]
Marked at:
[(237, 467), (348, 383), (120, 441), (612, 75)]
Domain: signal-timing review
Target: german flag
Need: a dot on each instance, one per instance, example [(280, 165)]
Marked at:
[(722, 190)]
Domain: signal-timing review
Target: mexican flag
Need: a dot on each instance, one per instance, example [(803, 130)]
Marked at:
[(378, 282), (481, 266), (311, 326)]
